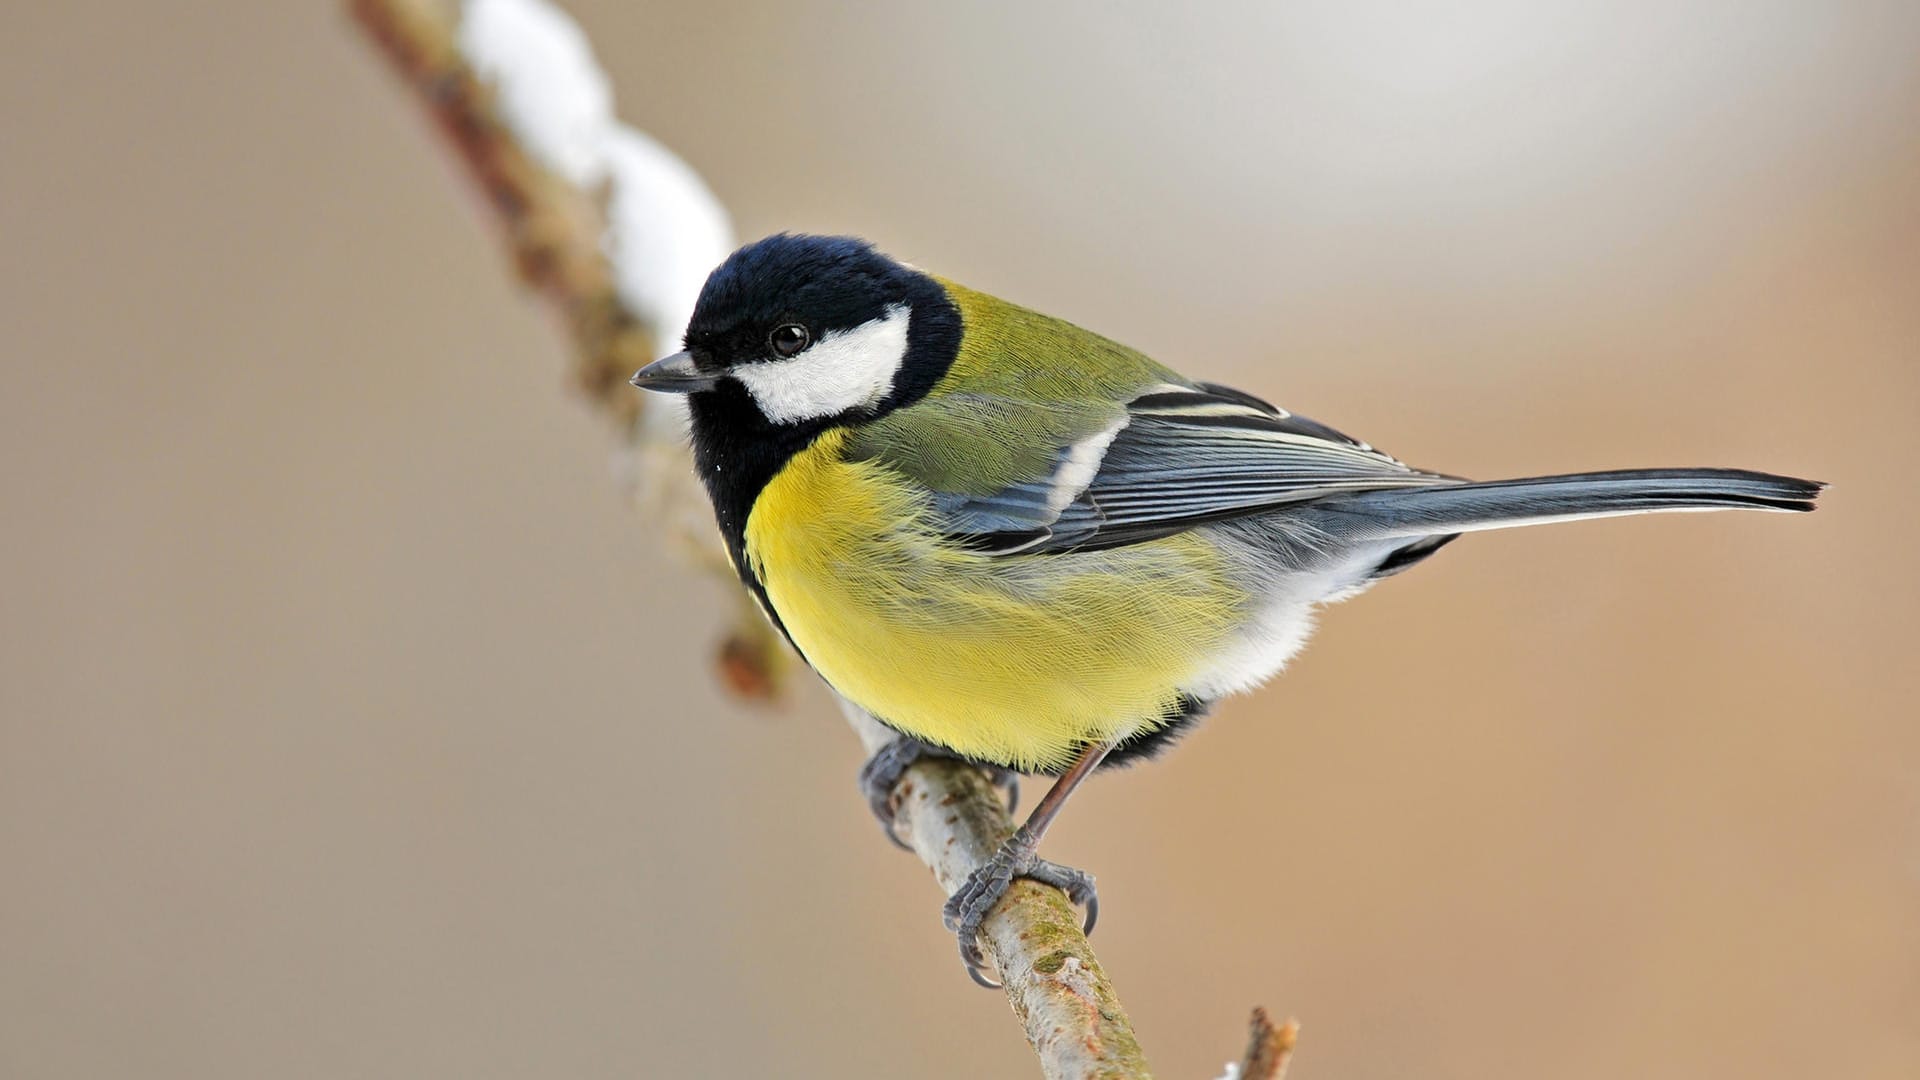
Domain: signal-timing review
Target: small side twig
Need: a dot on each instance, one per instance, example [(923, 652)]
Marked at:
[(1269, 1048)]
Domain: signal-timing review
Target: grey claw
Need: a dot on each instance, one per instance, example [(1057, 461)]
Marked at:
[(968, 907), (1077, 884), (881, 773), (979, 979)]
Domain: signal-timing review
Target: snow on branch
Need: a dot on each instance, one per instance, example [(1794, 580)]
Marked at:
[(613, 230)]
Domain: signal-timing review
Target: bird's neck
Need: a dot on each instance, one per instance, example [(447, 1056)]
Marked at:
[(736, 452)]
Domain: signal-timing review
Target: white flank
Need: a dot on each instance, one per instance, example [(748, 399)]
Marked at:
[(844, 370), (1288, 598), (551, 91), (1266, 643)]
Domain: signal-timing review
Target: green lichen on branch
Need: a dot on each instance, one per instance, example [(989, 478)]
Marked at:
[(1066, 1004)]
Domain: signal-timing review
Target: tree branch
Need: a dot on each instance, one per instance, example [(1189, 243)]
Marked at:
[(955, 821), (556, 230), (1269, 1048)]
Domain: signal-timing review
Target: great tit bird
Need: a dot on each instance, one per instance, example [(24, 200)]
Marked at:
[(1021, 544)]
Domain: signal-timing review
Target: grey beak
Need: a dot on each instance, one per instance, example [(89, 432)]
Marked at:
[(674, 375)]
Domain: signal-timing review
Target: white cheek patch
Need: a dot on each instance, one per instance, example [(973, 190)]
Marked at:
[(844, 370)]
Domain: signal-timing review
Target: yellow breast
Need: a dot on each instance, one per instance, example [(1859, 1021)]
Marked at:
[(1013, 659)]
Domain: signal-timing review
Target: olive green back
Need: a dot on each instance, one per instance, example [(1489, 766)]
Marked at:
[(1023, 387)]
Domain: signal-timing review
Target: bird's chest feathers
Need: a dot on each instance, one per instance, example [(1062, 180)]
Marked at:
[(830, 539), (1004, 658)]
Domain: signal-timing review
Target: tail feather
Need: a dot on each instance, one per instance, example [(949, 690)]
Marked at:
[(1500, 504)]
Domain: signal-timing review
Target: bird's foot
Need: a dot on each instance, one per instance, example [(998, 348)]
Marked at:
[(968, 907), (882, 773)]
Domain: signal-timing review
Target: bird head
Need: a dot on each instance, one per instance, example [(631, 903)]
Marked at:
[(811, 330)]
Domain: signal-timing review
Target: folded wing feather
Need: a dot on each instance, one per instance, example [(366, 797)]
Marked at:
[(1181, 456)]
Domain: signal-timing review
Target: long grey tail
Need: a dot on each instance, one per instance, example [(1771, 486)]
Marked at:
[(1501, 504)]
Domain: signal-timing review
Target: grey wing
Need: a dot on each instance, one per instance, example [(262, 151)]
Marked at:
[(1179, 457)]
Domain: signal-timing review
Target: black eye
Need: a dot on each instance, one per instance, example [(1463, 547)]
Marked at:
[(789, 338)]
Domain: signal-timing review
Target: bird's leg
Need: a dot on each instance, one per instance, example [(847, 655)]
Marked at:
[(882, 773), (967, 908)]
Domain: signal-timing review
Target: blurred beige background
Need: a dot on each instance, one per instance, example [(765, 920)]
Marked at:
[(352, 725)]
